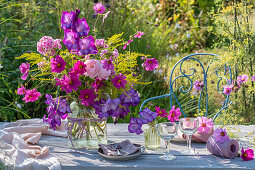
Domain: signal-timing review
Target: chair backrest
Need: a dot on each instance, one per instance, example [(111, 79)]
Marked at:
[(204, 76)]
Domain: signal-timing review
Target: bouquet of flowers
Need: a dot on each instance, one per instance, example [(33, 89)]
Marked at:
[(88, 71)]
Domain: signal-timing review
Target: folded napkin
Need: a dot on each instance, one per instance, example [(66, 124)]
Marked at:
[(17, 142), (119, 149), (227, 149)]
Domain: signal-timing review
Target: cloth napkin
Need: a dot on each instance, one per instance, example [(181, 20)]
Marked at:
[(18, 143), (119, 149)]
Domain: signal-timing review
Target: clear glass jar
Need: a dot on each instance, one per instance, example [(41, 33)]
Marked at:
[(152, 139), (84, 128)]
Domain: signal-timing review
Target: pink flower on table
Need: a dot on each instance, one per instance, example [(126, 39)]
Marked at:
[(69, 83), (105, 16), (247, 154), (24, 68), (125, 46), (161, 113), (253, 78), (79, 68), (31, 96), (119, 81), (87, 97), (228, 89), (21, 91), (150, 64), (99, 8), (93, 68), (57, 64), (139, 34), (97, 84), (174, 114), (103, 74), (205, 124), (198, 85), (220, 135), (242, 78)]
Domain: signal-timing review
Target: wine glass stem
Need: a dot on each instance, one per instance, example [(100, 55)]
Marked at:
[(189, 141), (167, 147)]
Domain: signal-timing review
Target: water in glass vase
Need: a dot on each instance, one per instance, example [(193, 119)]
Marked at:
[(152, 140), (85, 129)]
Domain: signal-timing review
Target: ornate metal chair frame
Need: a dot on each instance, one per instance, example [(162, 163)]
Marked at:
[(227, 101)]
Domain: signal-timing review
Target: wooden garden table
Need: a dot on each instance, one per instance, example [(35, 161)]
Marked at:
[(72, 160)]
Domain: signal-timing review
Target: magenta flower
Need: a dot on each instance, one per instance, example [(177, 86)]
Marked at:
[(68, 20), (79, 68), (161, 113), (205, 124), (247, 154), (220, 135), (119, 81), (253, 78), (139, 34), (107, 64), (21, 91), (82, 27), (227, 89), (69, 83), (99, 8), (150, 64), (125, 46), (174, 114), (31, 95), (24, 68), (97, 84), (47, 46), (57, 64), (87, 97), (242, 78), (71, 40), (198, 85), (87, 46)]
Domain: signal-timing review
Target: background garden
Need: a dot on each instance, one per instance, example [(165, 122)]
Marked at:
[(173, 29)]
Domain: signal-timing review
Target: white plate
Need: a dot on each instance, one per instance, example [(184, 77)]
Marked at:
[(124, 157)]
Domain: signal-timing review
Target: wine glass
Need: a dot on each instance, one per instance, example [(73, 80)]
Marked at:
[(167, 131), (188, 126)]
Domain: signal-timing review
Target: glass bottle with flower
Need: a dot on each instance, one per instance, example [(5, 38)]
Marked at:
[(152, 139), (90, 73)]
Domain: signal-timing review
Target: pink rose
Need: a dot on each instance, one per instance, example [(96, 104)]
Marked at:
[(103, 73), (93, 68)]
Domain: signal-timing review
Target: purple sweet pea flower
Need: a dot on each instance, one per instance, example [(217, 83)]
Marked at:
[(87, 46), (71, 40), (107, 64), (24, 68), (220, 135), (132, 97), (82, 27), (111, 105), (119, 81), (150, 64), (148, 115), (242, 78), (57, 64), (135, 126), (68, 20)]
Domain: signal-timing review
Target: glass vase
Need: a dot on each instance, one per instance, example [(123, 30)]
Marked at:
[(85, 129), (152, 139)]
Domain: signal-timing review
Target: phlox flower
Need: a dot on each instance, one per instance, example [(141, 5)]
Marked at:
[(100, 43), (205, 124), (150, 64), (24, 68), (31, 95), (87, 97), (139, 34), (21, 91), (242, 78), (99, 8), (119, 81), (47, 46), (161, 113), (247, 154), (174, 114), (221, 135), (57, 64)]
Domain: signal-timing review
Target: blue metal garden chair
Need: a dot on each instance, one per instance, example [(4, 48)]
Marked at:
[(172, 95)]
